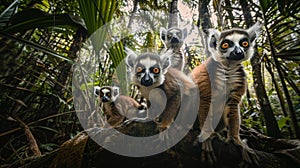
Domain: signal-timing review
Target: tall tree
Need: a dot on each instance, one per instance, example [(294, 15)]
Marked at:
[(204, 22), (266, 109), (282, 40), (204, 15), (174, 14)]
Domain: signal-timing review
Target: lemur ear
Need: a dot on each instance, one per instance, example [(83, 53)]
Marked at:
[(162, 33), (184, 33), (130, 59), (212, 36), (115, 91), (97, 91), (254, 31), (166, 60)]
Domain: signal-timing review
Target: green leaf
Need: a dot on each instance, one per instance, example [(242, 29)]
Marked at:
[(265, 4), (49, 146), (290, 55), (86, 86), (34, 18), (117, 53), (7, 14), (282, 122), (96, 14), (48, 128), (117, 56), (36, 46), (282, 6)]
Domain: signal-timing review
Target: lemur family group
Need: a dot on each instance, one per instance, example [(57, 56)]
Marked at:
[(220, 82)]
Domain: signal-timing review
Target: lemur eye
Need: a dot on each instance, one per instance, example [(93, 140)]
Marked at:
[(139, 69), (108, 94), (156, 70), (101, 94), (225, 45), (245, 44), (169, 36)]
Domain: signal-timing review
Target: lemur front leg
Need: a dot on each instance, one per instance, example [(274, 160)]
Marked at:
[(232, 120), (207, 132), (113, 121), (167, 116)]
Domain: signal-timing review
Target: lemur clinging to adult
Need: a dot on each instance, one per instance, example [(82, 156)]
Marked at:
[(118, 107)]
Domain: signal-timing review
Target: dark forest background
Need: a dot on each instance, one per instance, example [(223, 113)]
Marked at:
[(40, 42)]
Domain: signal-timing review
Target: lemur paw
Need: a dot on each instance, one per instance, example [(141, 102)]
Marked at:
[(136, 119), (96, 130), (207, 151), (231, 139), (248, 154), (163, 135)]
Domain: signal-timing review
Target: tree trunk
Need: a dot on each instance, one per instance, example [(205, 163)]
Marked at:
[(204, 16), (230, 14), (285, 90), (174, 14), (279, 94), (135, 4), (204, 22), (84, 152), (271, 123)]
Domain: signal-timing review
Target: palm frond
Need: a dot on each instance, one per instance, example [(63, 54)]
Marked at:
[(35, 18), (96, 14)]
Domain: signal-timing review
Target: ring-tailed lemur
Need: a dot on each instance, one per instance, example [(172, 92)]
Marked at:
[(222, 82), (173, 39), (150, 71), (118, 107)]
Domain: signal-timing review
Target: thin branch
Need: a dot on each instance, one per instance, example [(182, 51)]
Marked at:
[(42, 119), (31, 140)]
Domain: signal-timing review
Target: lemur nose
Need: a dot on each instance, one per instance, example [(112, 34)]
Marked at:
[(236, 54), (238, 51), (105, 99), (147, 77), (174, 40), (146, 80)]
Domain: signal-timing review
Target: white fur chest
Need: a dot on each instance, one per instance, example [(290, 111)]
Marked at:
[(228, 79), (145, 91)]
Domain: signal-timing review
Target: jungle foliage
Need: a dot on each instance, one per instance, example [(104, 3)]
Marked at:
[(40, 42)]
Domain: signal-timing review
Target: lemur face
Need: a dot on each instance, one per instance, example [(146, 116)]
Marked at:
[(173, 37), (148, 69), (106, 93), (234, 45)]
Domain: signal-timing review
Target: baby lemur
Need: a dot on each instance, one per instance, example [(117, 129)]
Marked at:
[(173, 39), (117, 107), (222, 82), (150, 72)]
